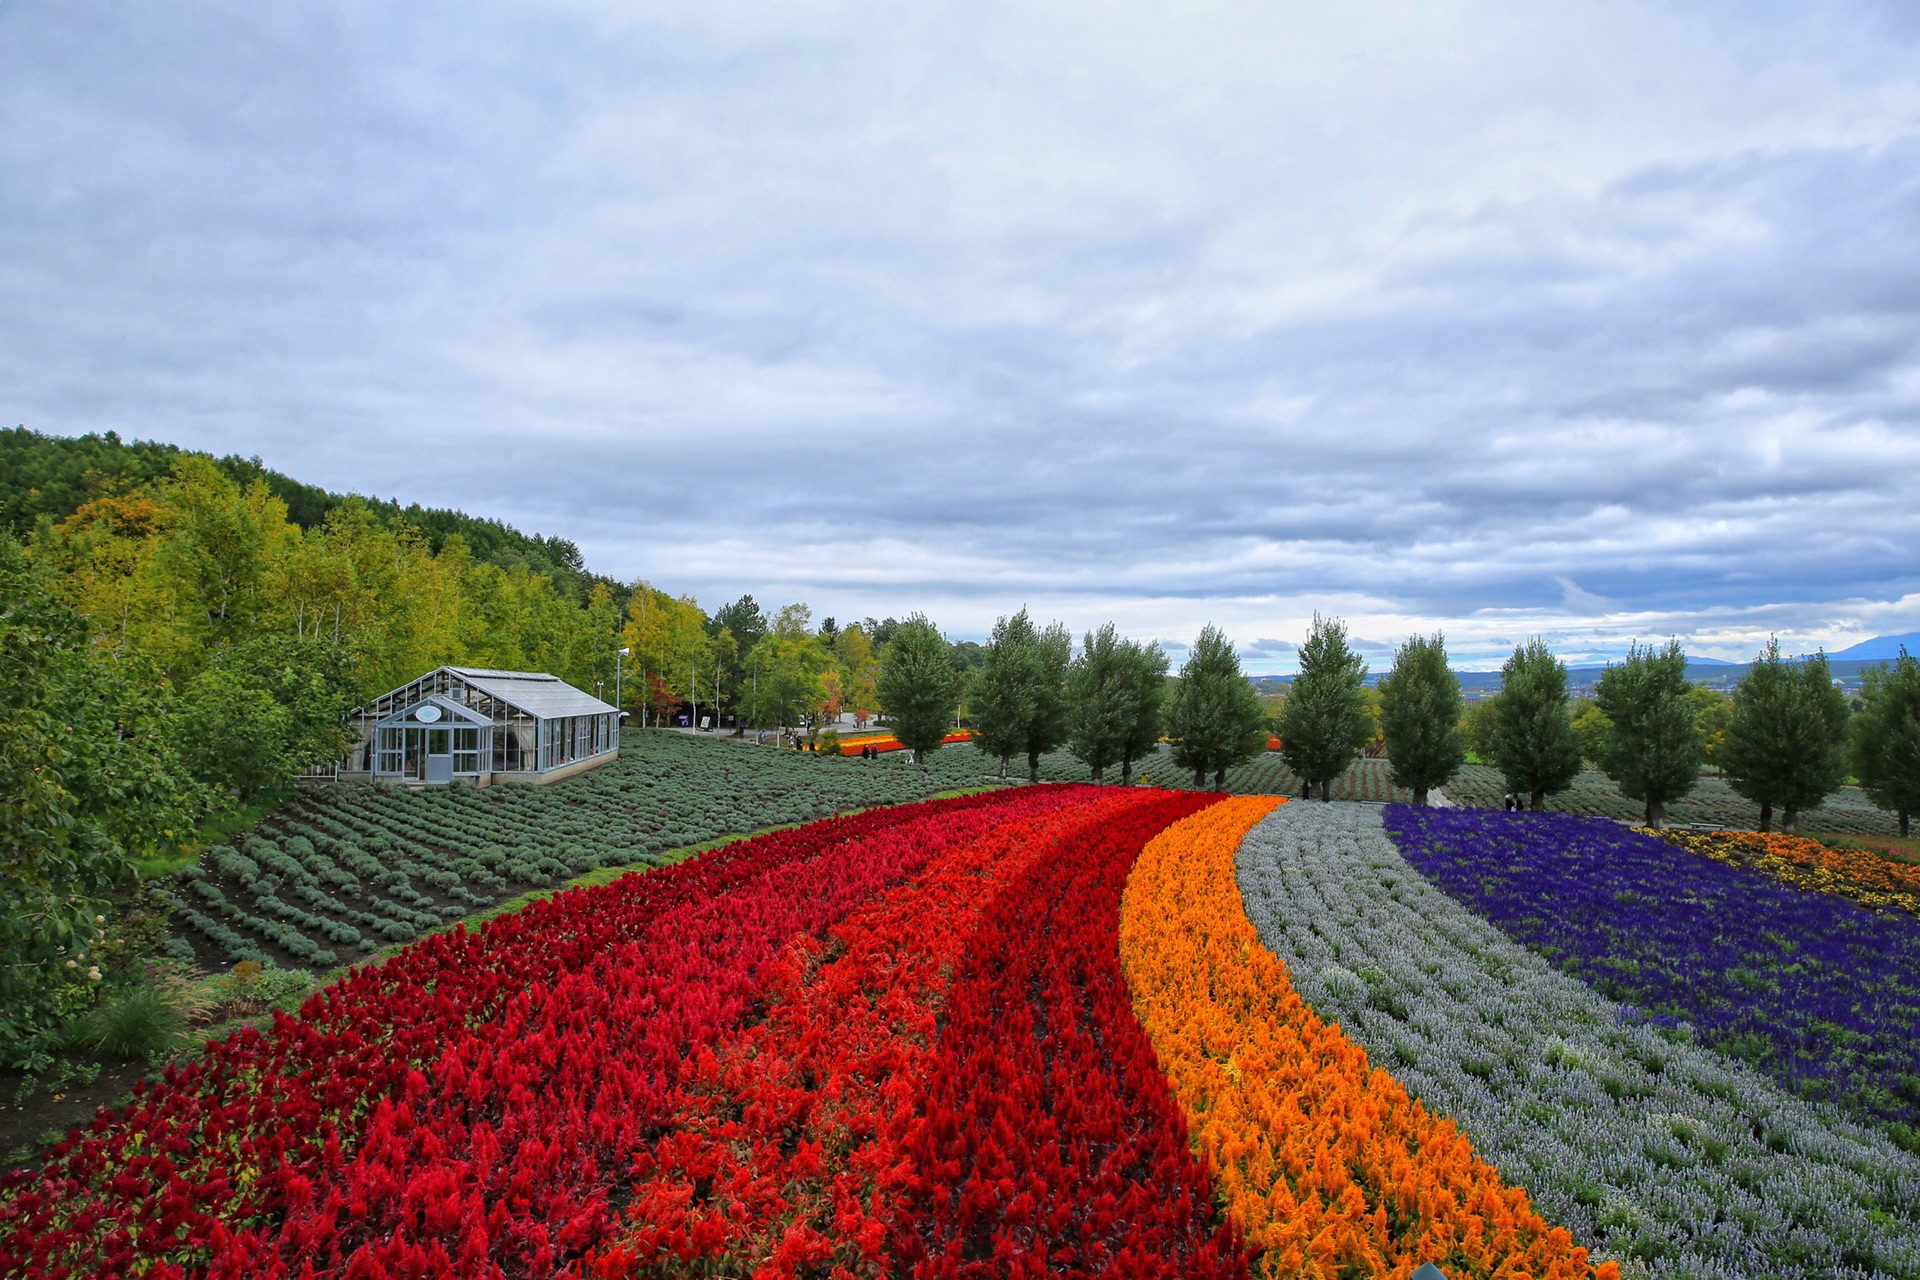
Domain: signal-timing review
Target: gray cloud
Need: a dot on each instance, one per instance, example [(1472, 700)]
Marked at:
[(1066, 306)]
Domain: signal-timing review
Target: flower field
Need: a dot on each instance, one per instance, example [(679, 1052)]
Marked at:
[(1869, 878), (1060, 1030), (1654, 1151), (1815, 991), (344, 871)]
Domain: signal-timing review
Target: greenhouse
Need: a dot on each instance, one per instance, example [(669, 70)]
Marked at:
[(483, 727)]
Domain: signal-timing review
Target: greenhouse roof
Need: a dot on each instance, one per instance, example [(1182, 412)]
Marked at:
[(534, 692)]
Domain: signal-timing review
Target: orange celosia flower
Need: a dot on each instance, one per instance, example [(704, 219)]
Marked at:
[(1323, 1163)]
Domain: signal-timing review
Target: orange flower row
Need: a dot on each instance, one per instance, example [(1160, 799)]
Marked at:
[(1866, 877), (1324, 1165), (887, 742)]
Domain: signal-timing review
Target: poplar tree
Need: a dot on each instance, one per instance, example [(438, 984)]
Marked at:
[(1420, 711), (1096, 697), (1215, 719), (1143, 674), (1533, 742), (1885, 747), (918, 686), (1786, 743), (1325, 720), (1653, 750), (1004, 693), (1048, 719)]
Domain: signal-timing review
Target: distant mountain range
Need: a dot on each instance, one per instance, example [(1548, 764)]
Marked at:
[(1882, 647)]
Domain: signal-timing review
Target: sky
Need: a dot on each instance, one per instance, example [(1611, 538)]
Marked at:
[(1592, 321)]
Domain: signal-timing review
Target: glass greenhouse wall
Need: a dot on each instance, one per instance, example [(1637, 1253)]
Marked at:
[(482, 726)]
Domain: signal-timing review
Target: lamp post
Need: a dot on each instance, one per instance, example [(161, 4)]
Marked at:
[(616, 674)]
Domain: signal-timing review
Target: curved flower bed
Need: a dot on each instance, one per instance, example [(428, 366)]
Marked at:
[(464, 1108), (785, 1133), (1323, 1163), (1658, 1153), (1817, 992), (1867, 878), (885, 742)]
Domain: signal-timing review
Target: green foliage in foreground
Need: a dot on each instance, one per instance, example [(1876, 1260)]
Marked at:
[(1532, 741), (1325, 719), (88, 784), (1786, 741), (1216, 720), (1653, 751)]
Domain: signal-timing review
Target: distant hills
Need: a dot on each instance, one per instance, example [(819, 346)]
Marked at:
[(1883, 648)]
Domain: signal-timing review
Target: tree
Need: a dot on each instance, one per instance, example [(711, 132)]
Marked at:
[(1096, 701), (1713, 716), (1885, 746), (89, 781), (266, 709), (1420, 711), (1477, 725), (1048, 719), (859, 673), (918, 686), (1004, 691), (1653, 751), (1215, 720), (1325, 720), (746, 624), (1534, 746), (1786, 742), (1590, 725), (784, 670), (1143, 676)]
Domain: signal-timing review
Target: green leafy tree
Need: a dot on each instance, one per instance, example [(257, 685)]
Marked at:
[(1143, 674), (1885, 745), (1653, 751), (1048, 717), (89, 782), (1477, 726), (1420, 711), (1590, 725), (1534, 746), (1325, 719), (1005, 690), (1215, 720), (1786, 741), (1713, 716), (918, 686), (746, 624), (264, 710), (784, 671), (1097, 694)]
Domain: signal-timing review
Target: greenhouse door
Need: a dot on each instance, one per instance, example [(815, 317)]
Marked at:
[(439, 756)]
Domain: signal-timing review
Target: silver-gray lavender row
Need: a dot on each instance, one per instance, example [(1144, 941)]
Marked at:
[(1659, 1154)]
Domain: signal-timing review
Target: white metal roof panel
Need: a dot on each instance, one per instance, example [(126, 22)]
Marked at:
[(540, 695)]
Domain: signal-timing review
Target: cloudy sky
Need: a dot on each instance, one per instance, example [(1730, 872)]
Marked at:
[(1595, 321)]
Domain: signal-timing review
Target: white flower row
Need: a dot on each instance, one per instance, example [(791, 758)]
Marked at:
[(1662, 1155)]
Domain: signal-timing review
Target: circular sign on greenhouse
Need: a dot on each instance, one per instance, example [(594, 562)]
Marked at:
[(428, 713)]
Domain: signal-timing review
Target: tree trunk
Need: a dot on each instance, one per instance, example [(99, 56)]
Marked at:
[(1766, 815), (1003, 765), (1790, 818), (1903, 824), (1199, 777), (1126, 773), (1098, 771), (1306, 789), (1656, 815), (1033, 766), (1419, 797), (1219, 779), (1326, 790), (1538, 802)]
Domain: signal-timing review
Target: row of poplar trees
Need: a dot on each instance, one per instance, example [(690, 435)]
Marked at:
[(1791, 741), (1109, 705)]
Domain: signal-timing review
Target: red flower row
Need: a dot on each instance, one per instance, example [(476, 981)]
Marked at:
[(1046, 1140), (464, 1108), (782, 1134)]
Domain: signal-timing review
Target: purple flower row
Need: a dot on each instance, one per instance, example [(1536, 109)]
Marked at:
[(1820, 993)]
